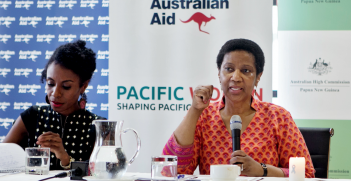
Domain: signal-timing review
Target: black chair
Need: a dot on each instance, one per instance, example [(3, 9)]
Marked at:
[(318, 144)]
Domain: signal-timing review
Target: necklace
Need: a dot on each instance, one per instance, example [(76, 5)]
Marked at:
[(63, 125), (63, 130)]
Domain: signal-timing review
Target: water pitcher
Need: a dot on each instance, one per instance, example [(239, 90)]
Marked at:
[(108, 160)]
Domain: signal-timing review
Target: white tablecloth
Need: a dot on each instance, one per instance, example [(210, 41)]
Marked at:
[(133, 176)]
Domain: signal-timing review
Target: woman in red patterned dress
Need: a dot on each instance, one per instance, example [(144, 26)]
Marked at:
[(269, 136)]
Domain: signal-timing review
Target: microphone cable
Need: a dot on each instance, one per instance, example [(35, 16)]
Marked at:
[(76, 171), (60, 175)]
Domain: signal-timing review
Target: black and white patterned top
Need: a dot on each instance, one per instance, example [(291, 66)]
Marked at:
[(76, 130)]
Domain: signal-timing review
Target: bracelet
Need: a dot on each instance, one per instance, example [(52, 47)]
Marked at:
[(69, 164), (264, 169)]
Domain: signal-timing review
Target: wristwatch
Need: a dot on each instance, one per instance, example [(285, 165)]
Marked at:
[(69, 164), (264, 169)]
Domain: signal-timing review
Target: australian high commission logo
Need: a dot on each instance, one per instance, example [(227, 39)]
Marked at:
[(324, 84), (320, 67)]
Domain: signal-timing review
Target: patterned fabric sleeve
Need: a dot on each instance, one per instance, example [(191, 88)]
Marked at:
[(292, 144), (188, 156), (285, 171)]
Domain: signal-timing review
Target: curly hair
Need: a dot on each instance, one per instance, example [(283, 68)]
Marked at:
[(246, 45), (76, 57)]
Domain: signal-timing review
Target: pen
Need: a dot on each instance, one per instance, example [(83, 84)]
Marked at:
[(183, 177), (187, 178)]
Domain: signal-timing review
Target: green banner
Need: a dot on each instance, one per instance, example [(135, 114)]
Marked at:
[(314, 15), (319, 24), (339, 162)]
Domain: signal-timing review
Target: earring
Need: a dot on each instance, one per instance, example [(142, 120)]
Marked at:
[(255, 90), (47, 99), (83, 100)]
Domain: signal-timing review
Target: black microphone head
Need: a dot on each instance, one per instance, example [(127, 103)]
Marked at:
[(235, 122)]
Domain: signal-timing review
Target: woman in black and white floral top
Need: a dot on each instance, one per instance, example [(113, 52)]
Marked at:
[(64, 125)]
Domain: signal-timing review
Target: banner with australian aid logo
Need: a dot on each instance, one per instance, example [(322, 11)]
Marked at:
[(311, 73), (160, 50)]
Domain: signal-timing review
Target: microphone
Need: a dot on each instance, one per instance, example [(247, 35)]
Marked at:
[(235, 126)]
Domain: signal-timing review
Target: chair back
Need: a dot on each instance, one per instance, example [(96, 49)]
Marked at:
[(318, 144)]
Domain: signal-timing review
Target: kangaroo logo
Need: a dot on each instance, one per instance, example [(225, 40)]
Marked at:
[(199, 18)]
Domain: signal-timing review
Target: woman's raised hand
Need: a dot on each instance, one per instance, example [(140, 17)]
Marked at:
[(185, 132), (202, 96)]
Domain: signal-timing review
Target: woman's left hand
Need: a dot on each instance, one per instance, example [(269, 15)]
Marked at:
[(250, 167), (54, 142)]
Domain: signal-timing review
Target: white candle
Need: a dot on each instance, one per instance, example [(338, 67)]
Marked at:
[(297, 169)]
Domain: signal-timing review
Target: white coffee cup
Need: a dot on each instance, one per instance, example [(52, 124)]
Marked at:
[(224, 172)]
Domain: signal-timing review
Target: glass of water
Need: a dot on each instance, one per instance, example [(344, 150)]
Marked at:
[(37, 161), (164, 167)]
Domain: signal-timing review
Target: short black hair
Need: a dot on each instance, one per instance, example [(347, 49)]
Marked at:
[(245, 45), (76, 57)]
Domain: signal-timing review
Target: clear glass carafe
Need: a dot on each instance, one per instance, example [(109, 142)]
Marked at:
[(108, 160)]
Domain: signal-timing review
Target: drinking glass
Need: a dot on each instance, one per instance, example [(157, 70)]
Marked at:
[(37, 161), (164, 167)]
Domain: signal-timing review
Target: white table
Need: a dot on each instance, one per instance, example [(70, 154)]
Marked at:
[(133, 176)]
